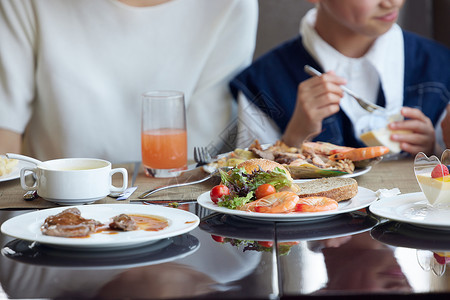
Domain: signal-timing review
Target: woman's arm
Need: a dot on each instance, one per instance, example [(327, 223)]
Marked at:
[(11, 142)]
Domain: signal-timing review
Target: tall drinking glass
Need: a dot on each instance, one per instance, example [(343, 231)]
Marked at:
[(163, 133)]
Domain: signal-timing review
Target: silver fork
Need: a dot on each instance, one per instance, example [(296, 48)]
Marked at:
[(202, 156), (370, 107)]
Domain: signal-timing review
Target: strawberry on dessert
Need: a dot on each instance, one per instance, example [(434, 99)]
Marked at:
[(439, 171), (436, 185)]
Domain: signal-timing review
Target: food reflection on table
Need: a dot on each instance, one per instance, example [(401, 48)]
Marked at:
[(431, 246), (283, 248), (433, 261), (195, 271)]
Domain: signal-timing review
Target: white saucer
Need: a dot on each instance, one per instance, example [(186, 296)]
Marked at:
[(74, 201), (414, 209)]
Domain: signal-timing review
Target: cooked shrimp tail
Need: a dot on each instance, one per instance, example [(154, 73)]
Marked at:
[(360, 153), (281, 202), (316, 204)]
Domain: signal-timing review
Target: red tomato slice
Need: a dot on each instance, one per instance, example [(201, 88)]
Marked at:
[(218, 192), (264, 190)]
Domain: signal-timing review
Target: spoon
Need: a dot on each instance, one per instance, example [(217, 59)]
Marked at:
[(30, 195), (24, 158)]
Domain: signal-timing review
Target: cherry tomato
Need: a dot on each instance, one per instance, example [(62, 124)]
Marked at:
[(219, 239), (264, 190), (266, 244), (218, 192)]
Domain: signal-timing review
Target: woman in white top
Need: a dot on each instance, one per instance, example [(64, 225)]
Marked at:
[(72, 72)]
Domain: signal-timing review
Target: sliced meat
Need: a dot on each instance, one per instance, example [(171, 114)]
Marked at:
[(123, 222), (287, 158), (264, 154), (69, 223)]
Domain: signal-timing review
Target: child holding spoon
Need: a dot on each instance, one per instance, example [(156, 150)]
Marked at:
[(357, 44)]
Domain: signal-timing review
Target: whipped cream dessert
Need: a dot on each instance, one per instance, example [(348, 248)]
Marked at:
[(436, 190)]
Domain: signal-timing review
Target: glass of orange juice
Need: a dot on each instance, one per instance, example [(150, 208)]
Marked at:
[(163, 133)]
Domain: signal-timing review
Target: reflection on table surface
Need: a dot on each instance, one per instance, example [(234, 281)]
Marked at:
[(232, 257), (252, 263)]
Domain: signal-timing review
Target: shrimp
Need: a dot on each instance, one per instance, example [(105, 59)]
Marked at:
[(315, 204), (360, 153), (281, 202)]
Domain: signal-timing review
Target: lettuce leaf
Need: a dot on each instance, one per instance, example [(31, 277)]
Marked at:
[(242, 185)]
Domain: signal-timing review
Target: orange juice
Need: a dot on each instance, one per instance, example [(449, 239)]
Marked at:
[(164, 148)]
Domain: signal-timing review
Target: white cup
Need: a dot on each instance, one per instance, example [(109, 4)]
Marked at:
[(73, 181)]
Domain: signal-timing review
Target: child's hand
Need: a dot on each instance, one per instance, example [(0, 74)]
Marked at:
[(446, 128), (317, 99), (422, 136)]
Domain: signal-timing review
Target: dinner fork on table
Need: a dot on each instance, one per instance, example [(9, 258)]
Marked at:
[(202, 156), (370, 107)]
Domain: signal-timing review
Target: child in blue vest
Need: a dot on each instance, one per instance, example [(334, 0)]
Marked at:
[(357, 44)]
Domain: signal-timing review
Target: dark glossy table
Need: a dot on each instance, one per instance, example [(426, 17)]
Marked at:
[(352, 254)]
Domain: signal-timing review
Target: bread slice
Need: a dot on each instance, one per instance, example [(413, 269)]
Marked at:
[(335, 188)]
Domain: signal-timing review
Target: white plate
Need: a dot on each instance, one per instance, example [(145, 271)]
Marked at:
[(358, 172), (27, 226), (16, 171), (161, 251), (414, 209), (363, 199)]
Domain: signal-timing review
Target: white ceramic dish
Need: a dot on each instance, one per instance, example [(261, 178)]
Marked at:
[(16, 171), (27, 226), (414, 209), (363, 199), (73, 181), (162, 251)]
